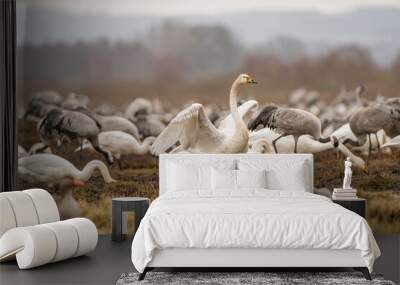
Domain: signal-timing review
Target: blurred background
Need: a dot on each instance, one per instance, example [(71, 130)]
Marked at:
[(195, 48)]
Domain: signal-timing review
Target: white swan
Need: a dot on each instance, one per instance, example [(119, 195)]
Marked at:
[(260, 146), (392, 143), (196, 133), (120, 143), (138, 106), (39, 147), (116, 123), (67, 205), (51, 168), (75, 101), (227, 124), (344, 132), (246, 112), (306, 144)]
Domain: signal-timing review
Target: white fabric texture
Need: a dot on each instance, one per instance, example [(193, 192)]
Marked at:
[(22, 207), (252, 218), (251, 178), (7, 218), (232, 180), (185, 174), (41, 244), (31, 232), (285, 175), (222, 179), (45, 206), (188, 177), (26, 208)]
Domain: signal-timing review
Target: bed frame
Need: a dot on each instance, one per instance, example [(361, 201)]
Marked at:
[(242, 259)]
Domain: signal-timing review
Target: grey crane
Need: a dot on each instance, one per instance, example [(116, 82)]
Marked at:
[(59, 124), (288, 121), (370, 119)]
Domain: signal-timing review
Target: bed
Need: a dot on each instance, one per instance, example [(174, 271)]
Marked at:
[(247, 210)]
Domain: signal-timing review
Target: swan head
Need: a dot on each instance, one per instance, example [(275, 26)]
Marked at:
[(245, 79)]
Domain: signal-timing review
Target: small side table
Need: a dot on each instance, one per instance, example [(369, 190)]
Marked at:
[(356, 205), (120, 206)]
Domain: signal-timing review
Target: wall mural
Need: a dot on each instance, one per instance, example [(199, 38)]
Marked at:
[(101, 95)]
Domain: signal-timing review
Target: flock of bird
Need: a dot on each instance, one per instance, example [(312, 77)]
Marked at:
[(306, 124)]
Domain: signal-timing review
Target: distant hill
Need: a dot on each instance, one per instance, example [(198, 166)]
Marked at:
[(376, 28)]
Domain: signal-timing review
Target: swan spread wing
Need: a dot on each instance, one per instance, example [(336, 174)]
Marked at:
[(190, 127), (246, 111)]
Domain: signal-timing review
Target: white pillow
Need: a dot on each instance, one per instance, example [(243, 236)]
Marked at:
[(227, 179), (223, 179), (188, 177), (281, 175), (292, 179), (251, 178)]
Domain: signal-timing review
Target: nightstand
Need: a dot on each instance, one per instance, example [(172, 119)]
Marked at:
[(357, 205), (120, 206)]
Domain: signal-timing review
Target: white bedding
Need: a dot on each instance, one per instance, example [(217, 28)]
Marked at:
[(252, 218)]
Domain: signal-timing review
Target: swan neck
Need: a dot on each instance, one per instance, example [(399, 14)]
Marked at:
[(87, 171), (140, 148), (358, 99), (233, 103), (143, 148)]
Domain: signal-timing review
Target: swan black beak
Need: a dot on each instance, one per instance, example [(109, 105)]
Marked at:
[(252, 81)]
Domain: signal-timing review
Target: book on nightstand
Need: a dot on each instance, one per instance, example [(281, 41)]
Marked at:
[(344, 194)]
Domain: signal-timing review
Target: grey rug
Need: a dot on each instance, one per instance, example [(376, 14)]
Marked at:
[(231, 278)]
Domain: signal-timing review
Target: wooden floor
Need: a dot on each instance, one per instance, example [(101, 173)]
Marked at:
[(110, 260)]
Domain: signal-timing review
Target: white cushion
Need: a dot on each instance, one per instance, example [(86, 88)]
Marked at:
[(67, 239), (185, 175), (26, 208), (251, 178), (23, 208), (223, 179), (87, 233), (231, 180), (46, 207), (292, 179), (288, 175), (34, 244), (188, 177), (40, 244), (7, 218)]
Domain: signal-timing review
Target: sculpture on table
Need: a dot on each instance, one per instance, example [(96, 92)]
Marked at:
[(347, 174)]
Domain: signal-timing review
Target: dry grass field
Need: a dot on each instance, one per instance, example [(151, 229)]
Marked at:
[(381, 186)]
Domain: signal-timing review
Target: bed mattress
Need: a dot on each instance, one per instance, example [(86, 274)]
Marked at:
[(250, 219)]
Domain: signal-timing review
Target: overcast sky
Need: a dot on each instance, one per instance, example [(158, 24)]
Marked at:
[(177, 7)]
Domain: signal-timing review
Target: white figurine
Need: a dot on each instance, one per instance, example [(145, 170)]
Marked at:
[(347, 174)]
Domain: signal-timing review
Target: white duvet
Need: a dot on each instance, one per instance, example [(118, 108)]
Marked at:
[(250, 219)]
